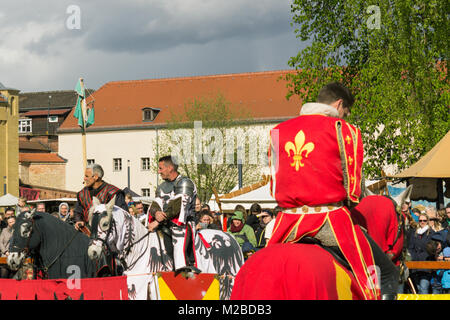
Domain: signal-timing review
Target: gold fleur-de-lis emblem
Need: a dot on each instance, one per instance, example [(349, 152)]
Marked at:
[(348, 139), (350, 161), (299, 149)]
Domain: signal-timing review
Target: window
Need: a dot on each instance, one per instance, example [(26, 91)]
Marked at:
[(90, 161), (53, 119), (145, 164), (25, 126), (145, 192), (117, 164), (149, 114)]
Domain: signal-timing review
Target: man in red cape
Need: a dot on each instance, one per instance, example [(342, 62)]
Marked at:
[(316, 164)]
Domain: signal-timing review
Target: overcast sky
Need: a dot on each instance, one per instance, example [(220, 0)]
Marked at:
[(48, 44)]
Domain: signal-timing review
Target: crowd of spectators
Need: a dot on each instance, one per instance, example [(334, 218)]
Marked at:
[(428, 239), (427, 234)]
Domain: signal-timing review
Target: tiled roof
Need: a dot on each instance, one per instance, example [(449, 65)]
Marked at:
[(40, 157), (40, 100), (119, 104), (45, 112), (32, 145)]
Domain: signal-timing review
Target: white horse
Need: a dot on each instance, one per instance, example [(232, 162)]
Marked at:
[(143, 253)]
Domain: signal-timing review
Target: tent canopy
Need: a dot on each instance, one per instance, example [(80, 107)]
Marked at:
[(256, 193), (429, 174), (8, 200), (434, 164)]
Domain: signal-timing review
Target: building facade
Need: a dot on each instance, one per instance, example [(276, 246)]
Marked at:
[(9, 140), (130, 129), (41, 114)]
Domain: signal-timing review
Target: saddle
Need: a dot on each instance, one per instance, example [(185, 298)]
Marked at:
[(333, 250)]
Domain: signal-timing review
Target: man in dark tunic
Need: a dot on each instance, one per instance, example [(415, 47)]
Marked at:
[(95, 187)]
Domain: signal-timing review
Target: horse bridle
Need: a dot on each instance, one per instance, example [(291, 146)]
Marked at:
[(26, 250), (94, 230)]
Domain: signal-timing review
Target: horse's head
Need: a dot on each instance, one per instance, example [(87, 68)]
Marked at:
[(21, 240), (100, 221)]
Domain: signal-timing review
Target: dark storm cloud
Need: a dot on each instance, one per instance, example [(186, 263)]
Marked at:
[(140, 39), (144, 29)]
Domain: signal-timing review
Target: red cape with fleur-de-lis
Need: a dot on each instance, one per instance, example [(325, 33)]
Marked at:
[(317, 160)]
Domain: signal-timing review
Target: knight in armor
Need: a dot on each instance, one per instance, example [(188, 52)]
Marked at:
[(95, 187), (316, 172), (176, 222)]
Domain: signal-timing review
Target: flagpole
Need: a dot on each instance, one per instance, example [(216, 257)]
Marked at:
[(83, 128)]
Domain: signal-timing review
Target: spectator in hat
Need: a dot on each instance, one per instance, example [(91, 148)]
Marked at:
[(444, 274), (243, 233), (252, 219), (63, 211), (265, 217), (240, 208)]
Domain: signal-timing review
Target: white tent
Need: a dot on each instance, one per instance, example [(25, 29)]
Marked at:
[(8, 200), (256, 193)]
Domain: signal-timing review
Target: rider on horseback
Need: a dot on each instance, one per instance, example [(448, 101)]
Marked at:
[(175, 220), (316, 164), (95, 187)]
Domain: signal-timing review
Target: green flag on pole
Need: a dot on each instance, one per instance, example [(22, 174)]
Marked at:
[(79, 88), (90, 118), (85, 116), (78, 113)]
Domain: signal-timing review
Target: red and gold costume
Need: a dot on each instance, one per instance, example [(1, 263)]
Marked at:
[(316, 164)]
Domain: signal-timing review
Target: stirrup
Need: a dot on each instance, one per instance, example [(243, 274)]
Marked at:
[(187, 269)]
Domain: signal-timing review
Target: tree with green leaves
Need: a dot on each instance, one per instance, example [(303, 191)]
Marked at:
[(207, 140), (393, 55)]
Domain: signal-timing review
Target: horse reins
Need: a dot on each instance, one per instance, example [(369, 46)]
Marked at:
[(45, 268)]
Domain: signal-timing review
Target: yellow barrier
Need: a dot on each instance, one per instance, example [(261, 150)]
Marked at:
[(423, 297)]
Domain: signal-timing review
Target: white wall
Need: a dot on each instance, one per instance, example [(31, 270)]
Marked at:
[(103, 147)]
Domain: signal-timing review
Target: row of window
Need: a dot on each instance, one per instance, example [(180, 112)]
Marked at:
[(26, 125), (117, 164)]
